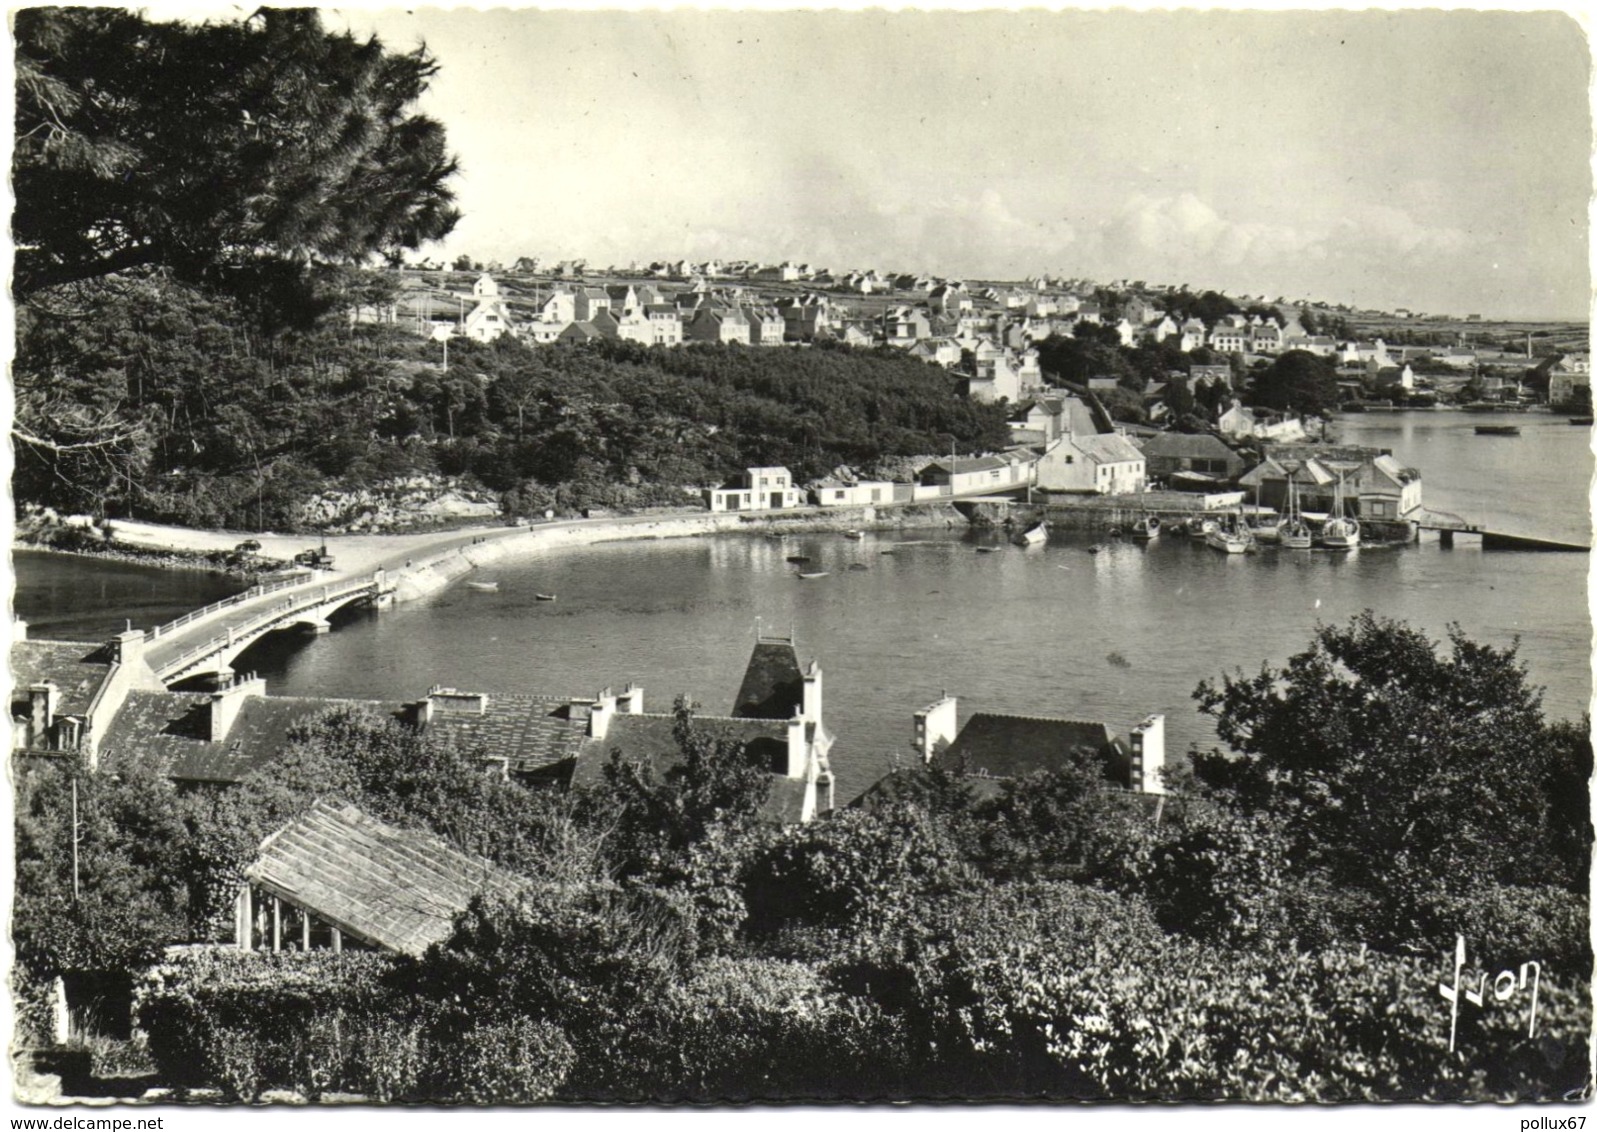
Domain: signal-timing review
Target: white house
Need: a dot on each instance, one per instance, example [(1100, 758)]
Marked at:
[(757, 489), (851, 493), (1100, 463)]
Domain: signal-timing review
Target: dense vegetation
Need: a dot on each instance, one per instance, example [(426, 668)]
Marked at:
[(142, 397), (1276, 929)]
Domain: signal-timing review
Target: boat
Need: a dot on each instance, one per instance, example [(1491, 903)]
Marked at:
[(858, 566), (484, 587), (1094, 548), (1496, 430), (855, 535), (1232, 538), (986, 550), (1580, 420), (1295, 533), (797, 558), (1034, 534), (1146, 528), (544, 597), (1341, 531), (1198, 526), (808, 574)]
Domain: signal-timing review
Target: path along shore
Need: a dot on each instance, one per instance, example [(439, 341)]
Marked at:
[(421, 564)]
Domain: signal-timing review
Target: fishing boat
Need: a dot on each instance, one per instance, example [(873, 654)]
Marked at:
[(1295, 533), (1033, 535), (483, 587), (807, 575), (1146, 528), (1496, 430), (1232, 538), (1341, 531), (544, 597)]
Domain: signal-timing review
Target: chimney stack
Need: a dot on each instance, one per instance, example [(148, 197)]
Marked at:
[(228, 700), (936, 724), (129, 646), (812, 692), (1147, 756), (631, 700), (798, 747), (600, 714), (42, 702)]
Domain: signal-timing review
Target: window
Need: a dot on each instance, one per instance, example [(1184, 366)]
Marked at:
[(995, 473), (1070, 459), (839, 494)]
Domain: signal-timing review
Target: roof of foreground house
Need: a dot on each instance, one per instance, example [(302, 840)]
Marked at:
[(773, 683), (77, 670), (1009, 746), (398, 889)]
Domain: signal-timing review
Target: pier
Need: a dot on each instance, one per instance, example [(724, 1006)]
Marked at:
[(1448, 526)]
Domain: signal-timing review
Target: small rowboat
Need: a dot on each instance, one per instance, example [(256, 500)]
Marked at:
[(795, 558), (1496, 430), (544, 597), (483, 587), (986, 550), (807, 575), (855, 535)]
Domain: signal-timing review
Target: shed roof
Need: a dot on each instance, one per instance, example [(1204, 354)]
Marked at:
[(399, 889)]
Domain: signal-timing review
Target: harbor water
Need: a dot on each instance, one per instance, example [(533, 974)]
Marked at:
[(898, 619)]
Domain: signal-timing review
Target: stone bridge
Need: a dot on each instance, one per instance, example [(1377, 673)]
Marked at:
[(206, 641)]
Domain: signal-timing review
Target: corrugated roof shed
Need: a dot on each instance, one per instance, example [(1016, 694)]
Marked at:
[(77, 670), (398, 889)]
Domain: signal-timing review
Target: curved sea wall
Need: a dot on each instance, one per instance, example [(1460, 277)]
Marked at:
[(427, 575)]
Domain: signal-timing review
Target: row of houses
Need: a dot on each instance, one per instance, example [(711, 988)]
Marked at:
[(338, 879)]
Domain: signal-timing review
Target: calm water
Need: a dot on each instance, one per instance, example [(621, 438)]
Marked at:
[(1052, 630), (66, 598)]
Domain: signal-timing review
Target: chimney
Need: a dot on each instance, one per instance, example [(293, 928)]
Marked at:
[(935, 724), (1147, 756), (812, 692), (129, 646), (228, 700), (42, 702), (421, 713), (797, 746), (631, 700), (19, 630), (600, 714)]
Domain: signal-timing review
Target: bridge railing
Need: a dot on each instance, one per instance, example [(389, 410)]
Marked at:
[(237, 599), (276, 613)]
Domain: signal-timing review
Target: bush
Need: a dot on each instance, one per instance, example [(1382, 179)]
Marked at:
[(517, 1061)]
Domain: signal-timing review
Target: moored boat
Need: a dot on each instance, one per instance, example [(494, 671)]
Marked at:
[(544, 597), (1341, 531), (855, 535), (1145, 529), (1496, 430), (1229, 540), (1033, 535), (483, 587), (809, 574), (1580, 420), (1295, 533), (797, 558)]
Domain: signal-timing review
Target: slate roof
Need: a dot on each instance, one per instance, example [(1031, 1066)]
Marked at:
[(529, 732), (650, 740), (1108, 449), (398, 889), (773, 683), (968, 464), (1009, 746), (176, 727), (77, 670), (1182, 444)]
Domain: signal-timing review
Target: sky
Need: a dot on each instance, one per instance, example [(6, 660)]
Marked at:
[(1439, 161)]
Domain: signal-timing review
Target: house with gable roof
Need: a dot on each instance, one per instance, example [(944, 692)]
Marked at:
[(490, 318), (993, 748), (776, 716)]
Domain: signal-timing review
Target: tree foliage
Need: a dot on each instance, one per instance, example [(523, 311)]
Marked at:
[(231, 153)]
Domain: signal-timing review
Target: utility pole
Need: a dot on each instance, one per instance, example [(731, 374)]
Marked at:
[(76, 837)]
